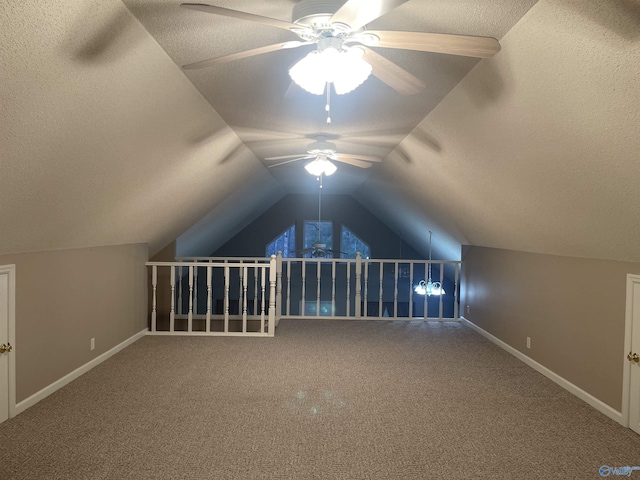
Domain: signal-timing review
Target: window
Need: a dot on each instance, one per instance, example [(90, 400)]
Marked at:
[(285, 242), (350, 243), (314, 233)]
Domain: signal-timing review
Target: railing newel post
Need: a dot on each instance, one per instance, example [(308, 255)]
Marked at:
[(272, 296)]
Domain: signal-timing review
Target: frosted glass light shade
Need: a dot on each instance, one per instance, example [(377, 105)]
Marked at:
[(320, 166), (346, 69)]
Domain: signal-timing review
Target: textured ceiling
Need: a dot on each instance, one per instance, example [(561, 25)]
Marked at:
[(105, 140), (255, 96)]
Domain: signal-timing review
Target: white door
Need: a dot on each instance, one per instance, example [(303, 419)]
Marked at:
[(631, 385), (6, 353)]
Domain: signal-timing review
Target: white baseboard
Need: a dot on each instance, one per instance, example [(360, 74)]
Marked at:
[(567, 385), (58, 384)]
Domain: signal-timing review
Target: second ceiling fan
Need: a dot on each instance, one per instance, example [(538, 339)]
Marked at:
[(339, 27), (320, 154)]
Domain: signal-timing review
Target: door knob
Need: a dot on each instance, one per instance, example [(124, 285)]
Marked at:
[(633, 357), (5, 348)]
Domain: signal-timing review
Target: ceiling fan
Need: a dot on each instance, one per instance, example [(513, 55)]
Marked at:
[(320, 153), (341, 26)]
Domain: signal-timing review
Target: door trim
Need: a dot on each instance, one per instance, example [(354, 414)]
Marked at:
[(10, 271), (626, 369)]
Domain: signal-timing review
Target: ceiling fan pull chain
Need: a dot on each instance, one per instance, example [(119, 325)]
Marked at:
[(328, 105)]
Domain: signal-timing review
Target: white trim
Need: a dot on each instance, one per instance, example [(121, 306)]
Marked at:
[(567, 385), (626, 369), (180, 333), (46, 391), (10, 270)]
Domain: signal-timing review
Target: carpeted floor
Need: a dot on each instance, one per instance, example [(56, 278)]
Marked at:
[(322, 400)]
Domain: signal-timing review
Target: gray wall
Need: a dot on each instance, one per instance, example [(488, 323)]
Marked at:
[(66, 297), (341, 209), (572, 308)]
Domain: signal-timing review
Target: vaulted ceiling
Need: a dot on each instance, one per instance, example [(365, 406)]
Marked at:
[(106, 140)]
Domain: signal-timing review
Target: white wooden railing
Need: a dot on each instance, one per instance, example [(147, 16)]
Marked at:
[(231, 297), (366, 289)]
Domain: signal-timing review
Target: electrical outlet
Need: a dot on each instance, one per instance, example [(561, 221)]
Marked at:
[(468, 308), (528, 342), (93, 343)]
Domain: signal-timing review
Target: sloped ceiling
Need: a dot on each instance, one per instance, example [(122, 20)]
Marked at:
[(105, 140), (538, 149)]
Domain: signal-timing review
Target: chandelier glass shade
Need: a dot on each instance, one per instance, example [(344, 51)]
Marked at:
[(345, 68), (429, 288), (320, 166)]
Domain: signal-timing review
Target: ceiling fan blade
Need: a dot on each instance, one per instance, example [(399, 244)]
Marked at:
[(272, 22), (465, 45), (288, 161), (366, 158), (284, 157), (357, 13), (353, 161), (391, 74), (244, 54)]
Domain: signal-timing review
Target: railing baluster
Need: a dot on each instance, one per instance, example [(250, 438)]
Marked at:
[(172, 313), (395, 291), (195, 289), (319, 275), (358, 299), (380, 293), (244, 301), (441, 287), (278, 286), (426, 303), (410, 290), (349, 290), (226, 298), (366, 287), (333, 287), (255, 290), (209, 292), (288, 287), (240, 290), (154, 285), (262, 306), (304, 287), (180, 290), (190, 314)]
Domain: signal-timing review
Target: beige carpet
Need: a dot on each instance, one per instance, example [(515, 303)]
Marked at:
[(321, 400)]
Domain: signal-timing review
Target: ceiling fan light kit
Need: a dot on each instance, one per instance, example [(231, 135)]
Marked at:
[(320, 166), (331, 63), (344, 57)]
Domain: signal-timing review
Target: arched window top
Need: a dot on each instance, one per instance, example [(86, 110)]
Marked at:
[(350, 244), (285, 242)]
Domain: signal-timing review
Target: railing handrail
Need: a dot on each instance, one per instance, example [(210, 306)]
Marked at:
[(244, 260), (209, 264)]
